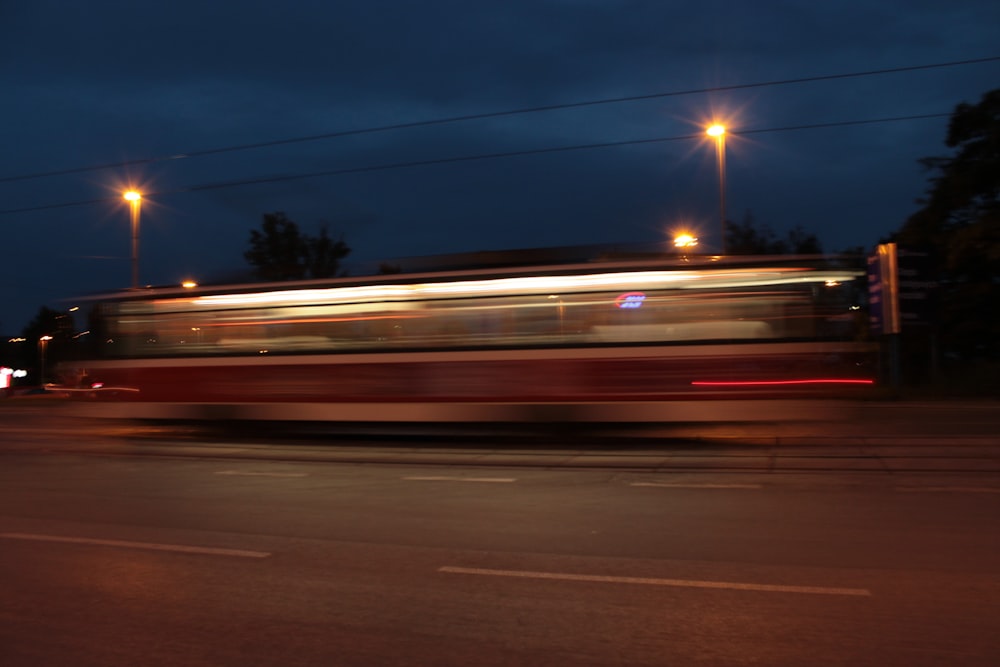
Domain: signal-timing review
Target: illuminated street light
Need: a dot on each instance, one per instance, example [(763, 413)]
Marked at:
[(718, 132), (134, 199), (685, 241)]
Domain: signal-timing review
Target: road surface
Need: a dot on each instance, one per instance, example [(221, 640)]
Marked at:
[(120, 549)]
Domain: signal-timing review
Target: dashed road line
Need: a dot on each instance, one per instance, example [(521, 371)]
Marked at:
[(180, 548), (947, 489), (441, 478), (647, 581), (250, 473), (666, 485)]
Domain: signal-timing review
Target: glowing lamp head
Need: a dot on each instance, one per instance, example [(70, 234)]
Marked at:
[(716, 131), (132, 196), (685, 241)]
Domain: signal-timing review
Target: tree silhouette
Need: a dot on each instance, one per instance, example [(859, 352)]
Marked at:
[(278, 251), (56, 328), (323, 255), (749, 238), (959, 227), (281, 251)]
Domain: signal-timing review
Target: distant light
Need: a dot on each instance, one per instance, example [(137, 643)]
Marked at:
[(685, 241), (832, 283), (716, 130), (132, 195), (6, 374), (17, 340), (189, 284), (45, 338), (74, 309)]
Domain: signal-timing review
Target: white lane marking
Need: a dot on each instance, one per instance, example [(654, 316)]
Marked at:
[(249, 473), (697, 486), (495, 480), (181, 548), (947, 489), (687, 583)]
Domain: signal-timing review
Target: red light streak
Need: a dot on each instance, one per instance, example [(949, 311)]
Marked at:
[(760, 383)]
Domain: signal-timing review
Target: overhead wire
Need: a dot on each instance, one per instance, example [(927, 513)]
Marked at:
[(492, 114), (467, 158), (532, 151)]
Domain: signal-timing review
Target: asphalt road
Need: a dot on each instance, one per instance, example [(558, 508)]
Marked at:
[(117, 548)]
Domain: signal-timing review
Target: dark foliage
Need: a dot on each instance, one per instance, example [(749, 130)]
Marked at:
[(46, 341), (281, 251), (748, 238), (959, 226)]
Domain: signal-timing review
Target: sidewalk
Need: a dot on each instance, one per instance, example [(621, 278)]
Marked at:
[(881, 423), (877, 423)]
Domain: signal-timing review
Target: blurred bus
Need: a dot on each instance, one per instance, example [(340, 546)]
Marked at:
[(709, 339)]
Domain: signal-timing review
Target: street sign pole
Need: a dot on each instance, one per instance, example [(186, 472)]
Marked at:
[(883, 302)]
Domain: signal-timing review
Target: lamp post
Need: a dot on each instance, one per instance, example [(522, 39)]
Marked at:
[(134, 199), (43, 342), (718, 132)]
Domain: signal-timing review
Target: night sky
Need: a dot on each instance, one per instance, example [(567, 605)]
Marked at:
[(94, 83)]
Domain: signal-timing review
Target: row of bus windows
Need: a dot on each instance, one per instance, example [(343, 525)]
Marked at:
[(483, 322)]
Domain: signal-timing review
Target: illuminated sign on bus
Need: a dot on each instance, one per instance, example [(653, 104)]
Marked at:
[(630, 300)]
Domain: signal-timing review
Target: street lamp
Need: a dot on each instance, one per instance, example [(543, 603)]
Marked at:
[(134, 199), (43, 342), (718, 132), (685, 240)]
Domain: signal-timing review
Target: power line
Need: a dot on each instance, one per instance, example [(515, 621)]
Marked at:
[(468, 158), (492, 114)]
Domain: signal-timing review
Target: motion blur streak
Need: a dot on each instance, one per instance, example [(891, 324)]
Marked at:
[(760, 383), (636, 340)]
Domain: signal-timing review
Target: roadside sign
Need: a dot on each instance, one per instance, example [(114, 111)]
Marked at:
[(883, 290), (915, 288), (900, 291)]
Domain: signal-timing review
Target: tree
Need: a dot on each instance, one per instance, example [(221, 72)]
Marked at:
[(280, 251), (747, 238), (49, 322), (47, 339), (959, 226), (801, 242), (323, 255)]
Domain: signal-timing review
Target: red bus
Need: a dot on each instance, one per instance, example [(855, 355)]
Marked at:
[(627, 341)]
